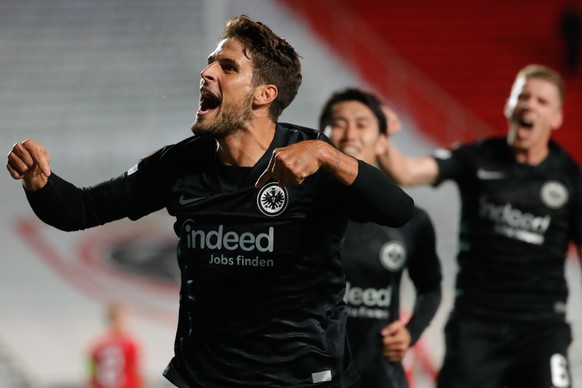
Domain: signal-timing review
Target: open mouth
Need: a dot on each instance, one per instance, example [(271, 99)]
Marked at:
[(208, 101), (350, 150), (525, 123)]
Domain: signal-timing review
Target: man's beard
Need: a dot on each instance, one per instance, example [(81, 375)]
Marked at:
[(228, 121)]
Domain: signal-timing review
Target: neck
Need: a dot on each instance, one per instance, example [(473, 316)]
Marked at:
[(531, 156), (244, 148)]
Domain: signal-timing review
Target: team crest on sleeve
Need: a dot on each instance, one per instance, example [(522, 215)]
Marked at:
[(554, 194), (272, 199), (393, 256)]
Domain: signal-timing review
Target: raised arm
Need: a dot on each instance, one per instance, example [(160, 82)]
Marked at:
[(63, 205), (408, 171)]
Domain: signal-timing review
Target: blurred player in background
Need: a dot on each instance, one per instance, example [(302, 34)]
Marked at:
[(115, 356), (375, 256), (521, 206)]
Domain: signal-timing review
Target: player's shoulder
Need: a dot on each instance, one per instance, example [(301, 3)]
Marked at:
[(299, 133), (294, 128), (559, 155), (169, 161), (493, 144), (192, 143), (193, 147), (474, 149), (490, 153)]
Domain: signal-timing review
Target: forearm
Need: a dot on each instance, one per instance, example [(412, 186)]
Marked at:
[(371, 195), (339, 164), (408, 171), (425, 308), (375, 197), (67, 207)]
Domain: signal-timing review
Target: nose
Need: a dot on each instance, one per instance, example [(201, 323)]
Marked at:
[(351, 131), (207, 73), (527, 100)]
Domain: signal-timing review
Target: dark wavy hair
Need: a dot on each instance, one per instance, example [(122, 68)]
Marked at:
[(274, 59)]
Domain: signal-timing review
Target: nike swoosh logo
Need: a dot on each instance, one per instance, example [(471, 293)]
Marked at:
[(489, 175), (183, 201)]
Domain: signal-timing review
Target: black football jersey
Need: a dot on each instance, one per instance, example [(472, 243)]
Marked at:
[(374, 258), (516, 224), (261, 298)]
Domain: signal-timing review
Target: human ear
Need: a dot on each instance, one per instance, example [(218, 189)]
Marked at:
[(381, 144), (558, 120), (265, 94)]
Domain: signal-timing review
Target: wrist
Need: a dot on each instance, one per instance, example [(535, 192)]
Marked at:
[(330, 158), (36, 183)]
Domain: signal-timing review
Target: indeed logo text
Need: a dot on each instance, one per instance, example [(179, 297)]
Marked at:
[(367, 303), (228, 240), (514, 223), (368, 297)]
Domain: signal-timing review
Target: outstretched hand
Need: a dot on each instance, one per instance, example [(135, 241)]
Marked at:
[(29, 161), (395, 341), (293, 164)]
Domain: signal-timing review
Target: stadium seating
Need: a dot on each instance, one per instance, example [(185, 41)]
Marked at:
[(456, 59)]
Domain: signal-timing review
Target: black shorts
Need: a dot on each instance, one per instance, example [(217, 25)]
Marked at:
[(488, 354)]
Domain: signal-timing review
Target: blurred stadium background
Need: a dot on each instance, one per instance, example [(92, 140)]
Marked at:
[(103, 83)]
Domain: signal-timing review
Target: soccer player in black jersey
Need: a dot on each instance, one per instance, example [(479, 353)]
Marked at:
[(375, 256), (261, 210), (521, 206)]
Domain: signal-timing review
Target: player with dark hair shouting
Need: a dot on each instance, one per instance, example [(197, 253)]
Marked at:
[(261, 210)]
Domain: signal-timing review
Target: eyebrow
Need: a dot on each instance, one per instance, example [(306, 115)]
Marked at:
[(223, 61), (357, 118)]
